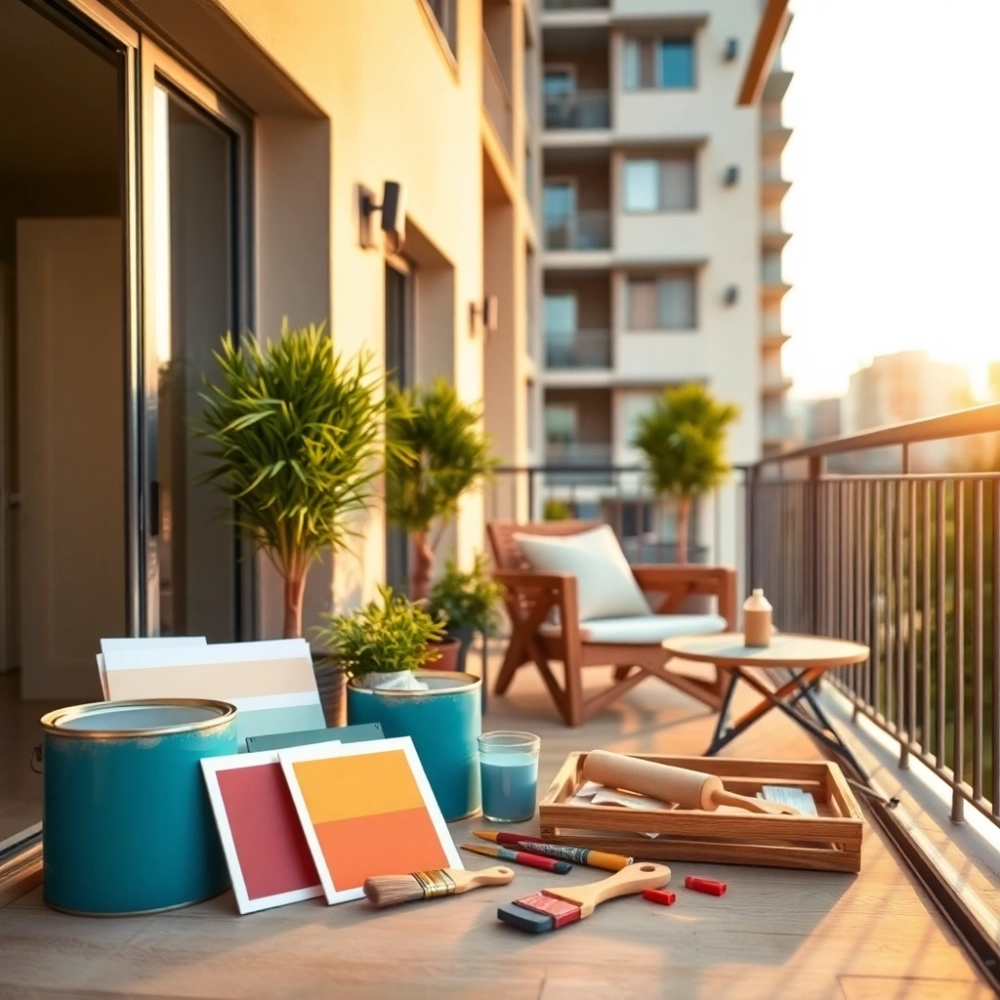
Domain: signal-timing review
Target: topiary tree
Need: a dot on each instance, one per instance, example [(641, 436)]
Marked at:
[(684, 441), (437, 452), (296, 434)]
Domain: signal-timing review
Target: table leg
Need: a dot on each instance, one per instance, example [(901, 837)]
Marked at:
[(723, 734), (484, 680)]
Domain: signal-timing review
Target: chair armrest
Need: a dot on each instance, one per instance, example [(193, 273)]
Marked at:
[(530, 597), (679, 582)]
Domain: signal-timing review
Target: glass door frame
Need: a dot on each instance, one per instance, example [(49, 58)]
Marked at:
[(147, 65), (157, 68)]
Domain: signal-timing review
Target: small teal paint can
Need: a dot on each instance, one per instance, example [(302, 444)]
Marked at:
[(127, 826), (444, 723)]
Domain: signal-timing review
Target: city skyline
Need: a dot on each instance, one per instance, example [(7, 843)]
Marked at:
[(894, 208)]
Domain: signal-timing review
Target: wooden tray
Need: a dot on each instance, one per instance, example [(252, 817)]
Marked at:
[(829, 842)]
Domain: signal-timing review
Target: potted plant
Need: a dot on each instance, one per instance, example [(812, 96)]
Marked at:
[(683, 439), (385, 649), (438, 453), (296, 434), (467, 602)]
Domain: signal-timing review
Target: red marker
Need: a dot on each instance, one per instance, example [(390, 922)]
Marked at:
[(706, 885)]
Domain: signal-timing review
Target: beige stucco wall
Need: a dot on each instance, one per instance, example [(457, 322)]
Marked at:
[(399, 108)]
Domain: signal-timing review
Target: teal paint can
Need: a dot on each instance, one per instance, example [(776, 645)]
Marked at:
[(444, 723), (127, 826)]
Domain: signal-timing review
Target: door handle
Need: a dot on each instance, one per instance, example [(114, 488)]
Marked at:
[(154, 508)]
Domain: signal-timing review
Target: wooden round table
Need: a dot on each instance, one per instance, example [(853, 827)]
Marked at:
[(805, 657)]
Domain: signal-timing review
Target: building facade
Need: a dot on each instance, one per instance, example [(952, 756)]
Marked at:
[(661, 237), (182, 169)]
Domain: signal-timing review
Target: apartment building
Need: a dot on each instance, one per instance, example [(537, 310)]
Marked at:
[(662, 234), (177, 169)]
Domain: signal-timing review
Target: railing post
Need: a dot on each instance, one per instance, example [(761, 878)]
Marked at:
[(816, 470)]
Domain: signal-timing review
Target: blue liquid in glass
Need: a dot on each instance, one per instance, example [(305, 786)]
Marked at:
[(510, 786)]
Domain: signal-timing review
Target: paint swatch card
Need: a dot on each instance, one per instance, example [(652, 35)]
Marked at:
[(271, 683), (336, 734), (367, 809), (147, 642), (269, 860)]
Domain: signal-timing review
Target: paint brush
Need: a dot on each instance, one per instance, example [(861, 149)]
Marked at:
[(576, 855), (388, 890), (551, 909), (520, 858)]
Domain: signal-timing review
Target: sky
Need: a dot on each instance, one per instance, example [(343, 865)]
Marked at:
[(895, 199)]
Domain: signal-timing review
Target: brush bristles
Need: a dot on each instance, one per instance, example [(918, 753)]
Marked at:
[(388, 890)]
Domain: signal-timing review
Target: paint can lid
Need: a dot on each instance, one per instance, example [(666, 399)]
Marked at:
[(131, 719)]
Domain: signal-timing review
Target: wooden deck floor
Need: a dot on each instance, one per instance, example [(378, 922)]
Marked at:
[(775, 934)]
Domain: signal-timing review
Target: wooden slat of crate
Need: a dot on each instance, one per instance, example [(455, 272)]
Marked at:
[(829, 842)]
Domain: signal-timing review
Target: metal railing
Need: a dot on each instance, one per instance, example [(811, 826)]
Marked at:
[(579, 349), (565, 487), (582, 109), (909, 564), (496, 97), (582, 231)]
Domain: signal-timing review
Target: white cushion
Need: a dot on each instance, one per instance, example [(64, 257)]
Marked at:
[(606, 587), (644, 630)]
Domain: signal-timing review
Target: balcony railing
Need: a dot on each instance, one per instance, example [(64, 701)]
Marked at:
[(576, 4), (580, 349), (496, 97), (585, 109), (582, 231)]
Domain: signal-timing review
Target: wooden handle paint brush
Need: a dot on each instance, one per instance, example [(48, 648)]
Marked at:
[(388, 890), (689, 789), (520, 858), (551, 909), (575, 855)]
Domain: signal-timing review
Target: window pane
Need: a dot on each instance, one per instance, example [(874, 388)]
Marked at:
[(677, 185), (560, 314), (676, 63), (558, 82), (560, 424), (558, 201), (677, 303), (642, 180), (642, 304)]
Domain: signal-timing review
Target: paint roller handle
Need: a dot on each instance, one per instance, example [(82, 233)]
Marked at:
[(633, 879), (689, 789), (465, 880)]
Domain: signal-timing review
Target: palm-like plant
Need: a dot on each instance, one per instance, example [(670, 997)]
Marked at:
[(438, 452), (684, 440), (296, 434)]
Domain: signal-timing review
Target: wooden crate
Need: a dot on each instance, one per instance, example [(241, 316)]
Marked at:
[(829, 842)]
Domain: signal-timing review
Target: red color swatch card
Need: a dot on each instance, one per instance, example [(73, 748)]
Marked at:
[(267, 854)]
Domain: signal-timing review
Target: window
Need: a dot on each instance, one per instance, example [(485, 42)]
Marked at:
[(659, 185), (666, 302), (559, 200), (560, 314), (446, 14), (558, 82), (560, 424), (665, 63)]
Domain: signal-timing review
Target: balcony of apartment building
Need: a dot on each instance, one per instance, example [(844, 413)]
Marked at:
[(773, 236), (578, 436), (773, 381), (497, 61), (774, 133), (576, 200), (658, 217), (577, 327), (772, 335), (773, 284), (908, 565), (657, 94), (575, 94)]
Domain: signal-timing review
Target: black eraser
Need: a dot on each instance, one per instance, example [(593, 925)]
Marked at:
[(525, 920)]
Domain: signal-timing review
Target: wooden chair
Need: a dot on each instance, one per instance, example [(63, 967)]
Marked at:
[(532, 596)]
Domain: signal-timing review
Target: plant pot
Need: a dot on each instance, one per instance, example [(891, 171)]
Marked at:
[(444, 722), (449, 648), (464, 637), (330, 682)]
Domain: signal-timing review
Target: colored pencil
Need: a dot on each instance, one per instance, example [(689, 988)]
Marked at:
[(577, 855), (520, 858)]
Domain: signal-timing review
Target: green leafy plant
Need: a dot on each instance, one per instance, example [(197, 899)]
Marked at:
[(557, 510), (388, 634), (296, 434), (439, 452), (467, 600), (684, 441)]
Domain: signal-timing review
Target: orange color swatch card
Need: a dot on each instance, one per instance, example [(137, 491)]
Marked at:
[(366, 809)]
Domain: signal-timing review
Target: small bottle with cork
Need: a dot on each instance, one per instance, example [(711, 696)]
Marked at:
[(757, 619)]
